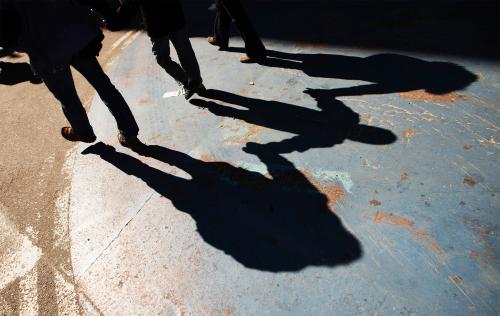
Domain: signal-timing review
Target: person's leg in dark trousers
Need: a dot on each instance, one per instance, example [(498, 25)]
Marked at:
[(89, 67), (222, 26), (161, 50), (187, 73), (253, 45), (62, 86), (186, 55)]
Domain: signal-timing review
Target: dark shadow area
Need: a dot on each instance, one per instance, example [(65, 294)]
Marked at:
[(447, 27), (334, 123), (10, 53), (462, 28), (278, 224), (15, 73), (388, 73)]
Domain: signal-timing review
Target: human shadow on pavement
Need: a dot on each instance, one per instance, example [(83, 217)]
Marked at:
[(387, 73), (334, 123), (278, 224), (15, 73)]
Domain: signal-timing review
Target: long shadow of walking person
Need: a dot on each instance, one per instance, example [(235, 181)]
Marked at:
[(278, 224), (315, 129), (388, 73)]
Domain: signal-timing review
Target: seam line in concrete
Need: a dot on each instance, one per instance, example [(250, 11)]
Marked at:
[(116, 236)]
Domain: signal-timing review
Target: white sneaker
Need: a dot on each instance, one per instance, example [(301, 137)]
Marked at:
[(176, 93)]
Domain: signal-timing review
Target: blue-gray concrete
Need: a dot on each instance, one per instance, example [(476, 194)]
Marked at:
[(327, 181)]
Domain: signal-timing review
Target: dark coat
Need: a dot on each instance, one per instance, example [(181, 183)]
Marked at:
[(10, 28), (162, 17), (54, 31)]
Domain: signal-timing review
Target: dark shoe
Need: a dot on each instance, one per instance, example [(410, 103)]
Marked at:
[(130, 142), (245, 59), (190, 90), (211, 40), (69, 134)]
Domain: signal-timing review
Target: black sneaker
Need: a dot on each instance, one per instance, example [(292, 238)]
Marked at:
[(190, 90)]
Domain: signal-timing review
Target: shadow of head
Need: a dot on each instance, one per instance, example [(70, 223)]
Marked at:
[(448, 77), (278, 224), (435, 77), (371, 135)]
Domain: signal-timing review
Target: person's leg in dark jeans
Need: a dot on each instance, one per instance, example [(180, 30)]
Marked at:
[(187, 57), (253, 45), (187, 73), (89, 67), (161, 50), (222, 26), (62, 86)]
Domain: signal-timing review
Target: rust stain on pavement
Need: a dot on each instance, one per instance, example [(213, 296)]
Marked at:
[(421, 236), (456, 279), (146, 101), (485, 238), (469, 182), (435, 247), (249, 132), (392, 219), (424, 96), (408, 133), (333, 191)]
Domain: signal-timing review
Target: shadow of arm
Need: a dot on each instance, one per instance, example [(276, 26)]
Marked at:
[(218, 109)]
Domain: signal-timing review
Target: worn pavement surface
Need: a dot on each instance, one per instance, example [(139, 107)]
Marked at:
[(328, 180)]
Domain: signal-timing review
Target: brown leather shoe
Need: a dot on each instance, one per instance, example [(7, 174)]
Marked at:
[(212, 41), (130, 142), (69, 134), (245, 59)]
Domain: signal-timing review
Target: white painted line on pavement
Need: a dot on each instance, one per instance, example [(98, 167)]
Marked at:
[(120, 40), (131, 39), (18, 255)]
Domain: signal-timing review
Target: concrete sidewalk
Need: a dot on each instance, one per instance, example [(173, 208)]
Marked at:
[(266, 198)]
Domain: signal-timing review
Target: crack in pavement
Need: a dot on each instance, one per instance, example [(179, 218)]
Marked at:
[(115, 237)]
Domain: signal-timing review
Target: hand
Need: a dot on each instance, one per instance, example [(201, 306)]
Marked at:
[(314, 93), (253, 148)]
